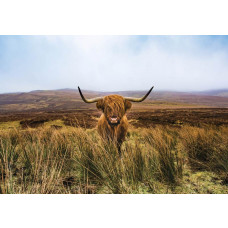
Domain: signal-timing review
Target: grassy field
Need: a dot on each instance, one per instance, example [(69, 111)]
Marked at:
[(163, 159), (177, 143)]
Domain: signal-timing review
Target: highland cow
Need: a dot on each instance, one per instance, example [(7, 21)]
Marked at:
[(113, 124)]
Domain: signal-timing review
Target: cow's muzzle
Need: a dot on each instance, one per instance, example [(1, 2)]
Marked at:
[(113, 120)]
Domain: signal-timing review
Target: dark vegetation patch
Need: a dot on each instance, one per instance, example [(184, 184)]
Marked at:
[(170, 117), (33, 123), (56, 126), (82, 119), (137, 118)]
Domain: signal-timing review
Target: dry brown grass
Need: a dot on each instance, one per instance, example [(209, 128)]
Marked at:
[(206, 148), (75, 160)]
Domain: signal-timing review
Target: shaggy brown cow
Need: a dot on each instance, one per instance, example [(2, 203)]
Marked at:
[(113, 123)]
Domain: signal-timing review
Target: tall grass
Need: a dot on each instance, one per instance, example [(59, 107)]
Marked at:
[(47, 160), (206, 148), (163, 143)]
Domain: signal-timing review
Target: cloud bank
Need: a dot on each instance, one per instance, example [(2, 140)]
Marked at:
[(113, 63)]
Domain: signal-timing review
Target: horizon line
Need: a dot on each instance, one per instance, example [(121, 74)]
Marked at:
[(118, 91)]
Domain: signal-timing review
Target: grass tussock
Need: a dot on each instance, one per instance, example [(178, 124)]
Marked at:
[(207, 149), (49, 160)]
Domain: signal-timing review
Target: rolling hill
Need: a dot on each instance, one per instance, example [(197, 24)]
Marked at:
[(219, 93), (69, 99)]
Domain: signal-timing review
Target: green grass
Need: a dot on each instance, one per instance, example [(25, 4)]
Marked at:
[(54, 122), (9, 125)]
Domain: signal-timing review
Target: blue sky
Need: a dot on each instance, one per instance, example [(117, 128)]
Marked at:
[(113, 63)]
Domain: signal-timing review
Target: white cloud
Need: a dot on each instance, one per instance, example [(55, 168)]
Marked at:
[(111, 63)]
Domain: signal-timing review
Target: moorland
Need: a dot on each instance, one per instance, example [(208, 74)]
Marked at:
[(177, 143)]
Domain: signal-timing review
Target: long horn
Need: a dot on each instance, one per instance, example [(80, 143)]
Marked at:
[(139, 99), (88, 100)]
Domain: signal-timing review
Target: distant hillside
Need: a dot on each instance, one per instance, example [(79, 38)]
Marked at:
[(69, 99), (220, 93)]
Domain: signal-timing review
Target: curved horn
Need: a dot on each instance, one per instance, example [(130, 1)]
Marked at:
[(139, 99), (88, 100)]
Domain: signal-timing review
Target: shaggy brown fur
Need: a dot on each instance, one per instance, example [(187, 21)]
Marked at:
[(113, 124)]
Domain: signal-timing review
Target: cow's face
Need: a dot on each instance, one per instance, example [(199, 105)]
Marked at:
[(114, 108)]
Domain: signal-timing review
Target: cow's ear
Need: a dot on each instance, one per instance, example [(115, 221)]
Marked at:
[(127, 105), (100, 105)]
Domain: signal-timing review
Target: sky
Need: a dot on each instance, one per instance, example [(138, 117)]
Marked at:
[(113, 63)]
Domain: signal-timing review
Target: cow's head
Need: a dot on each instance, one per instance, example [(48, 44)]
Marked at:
[(114, 107)]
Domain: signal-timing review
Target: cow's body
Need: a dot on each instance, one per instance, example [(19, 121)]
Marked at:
[(116, 133), (113, 124)]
